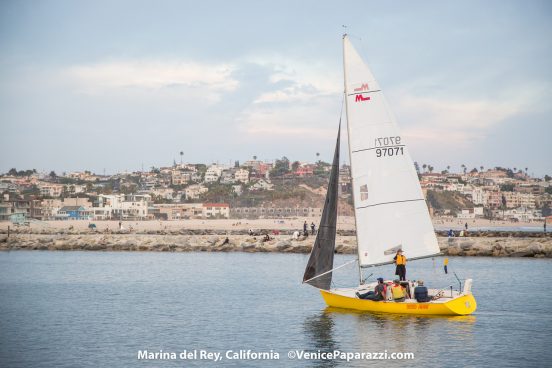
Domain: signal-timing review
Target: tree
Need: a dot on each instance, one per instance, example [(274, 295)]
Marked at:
[(547, 177), (317, 155), (255, 158), (295, 166), (464, 168), (181, 156), (281, 167), (424, 167), (448, 168), (481, 168), (430, 168), (53, 174), (473, 171), (417, 167), (13, 172)]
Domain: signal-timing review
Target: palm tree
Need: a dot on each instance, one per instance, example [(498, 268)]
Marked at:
[(254, 157), (181, 155), (317, 155), (424, 167), (481, 168), (448, 168)]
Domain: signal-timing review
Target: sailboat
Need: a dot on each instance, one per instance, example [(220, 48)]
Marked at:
[(390, 210)]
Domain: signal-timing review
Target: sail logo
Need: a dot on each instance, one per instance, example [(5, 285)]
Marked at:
[(361, 98), (363, 87)]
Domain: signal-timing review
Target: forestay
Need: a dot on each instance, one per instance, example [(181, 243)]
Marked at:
[(390, 209)]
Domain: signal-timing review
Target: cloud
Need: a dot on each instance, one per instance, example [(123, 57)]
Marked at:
[(205, 80), (302, 99)]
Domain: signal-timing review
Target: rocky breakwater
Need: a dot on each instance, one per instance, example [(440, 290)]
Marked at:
[(163, 243), (497, 247), (210, 242)]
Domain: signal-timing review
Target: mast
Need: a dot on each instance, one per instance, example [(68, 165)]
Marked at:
[(350, 158)]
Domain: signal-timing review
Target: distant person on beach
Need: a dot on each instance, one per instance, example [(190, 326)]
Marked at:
[(377, 295), (305, 226), (451, 233), (313, 228), (400, 262), (296, 235), (445, 265), (226, 241), (466, 226)]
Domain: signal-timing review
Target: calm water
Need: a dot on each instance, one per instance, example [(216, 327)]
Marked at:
[(94, 309)]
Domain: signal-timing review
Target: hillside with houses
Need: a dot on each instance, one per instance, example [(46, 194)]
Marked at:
[(255, 189)]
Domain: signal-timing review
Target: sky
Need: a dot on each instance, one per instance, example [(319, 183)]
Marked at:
[(113, 86)]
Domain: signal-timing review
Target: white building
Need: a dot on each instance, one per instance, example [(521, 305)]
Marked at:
[(216, 210), (213, 174), (242, 175), (194, 191), (262, 185), (51, 190), (478, 197), (123, 207)]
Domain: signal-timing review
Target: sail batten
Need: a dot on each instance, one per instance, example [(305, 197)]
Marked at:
[(318, 271), (390, 209)]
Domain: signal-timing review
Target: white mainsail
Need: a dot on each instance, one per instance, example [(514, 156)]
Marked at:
[(390, 209)]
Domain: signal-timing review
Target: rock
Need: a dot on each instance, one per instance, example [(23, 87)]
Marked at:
[(536, 248), (465, 245), (283, 245)]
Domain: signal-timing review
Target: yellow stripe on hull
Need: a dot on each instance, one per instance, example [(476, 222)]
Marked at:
[(460, 306)]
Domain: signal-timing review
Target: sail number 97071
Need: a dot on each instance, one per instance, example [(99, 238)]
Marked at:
[(389, 151)]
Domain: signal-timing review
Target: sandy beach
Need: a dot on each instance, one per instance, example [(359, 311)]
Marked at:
[(344, 223)]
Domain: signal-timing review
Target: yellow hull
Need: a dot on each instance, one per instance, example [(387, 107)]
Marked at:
[(459, 306)]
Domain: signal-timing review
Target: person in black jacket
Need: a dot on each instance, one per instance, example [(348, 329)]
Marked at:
[(420, 293)]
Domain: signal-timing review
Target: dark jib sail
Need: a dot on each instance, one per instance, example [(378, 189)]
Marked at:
[(322, 254)]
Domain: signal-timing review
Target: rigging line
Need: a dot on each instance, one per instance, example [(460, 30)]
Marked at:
[(360, 93), (373, 148), (333, 269), (382, 203)]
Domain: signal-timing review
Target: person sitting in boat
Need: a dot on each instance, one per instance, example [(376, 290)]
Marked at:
[(400, 261), (398, 291), (420, 293), (377, 295)]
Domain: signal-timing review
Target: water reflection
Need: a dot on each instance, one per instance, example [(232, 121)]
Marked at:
[(319, 330), (399, 333)]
